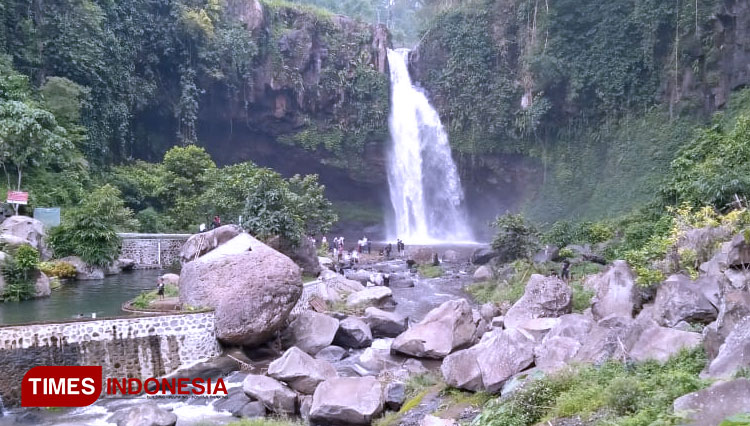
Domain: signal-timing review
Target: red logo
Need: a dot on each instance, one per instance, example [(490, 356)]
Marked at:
[(48, 386)]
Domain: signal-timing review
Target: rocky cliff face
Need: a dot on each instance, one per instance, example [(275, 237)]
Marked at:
[(316, 99)]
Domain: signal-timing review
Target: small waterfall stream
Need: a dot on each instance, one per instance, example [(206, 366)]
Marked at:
[(424, 185)]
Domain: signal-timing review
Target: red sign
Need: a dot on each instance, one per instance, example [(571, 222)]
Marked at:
[(65, 386), (18, 197)]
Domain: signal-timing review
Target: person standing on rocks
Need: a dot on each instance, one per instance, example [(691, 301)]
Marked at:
[(388, 249), (565, 272)]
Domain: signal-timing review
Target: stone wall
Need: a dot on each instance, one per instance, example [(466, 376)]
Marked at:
[(126, 347), (152, 250)]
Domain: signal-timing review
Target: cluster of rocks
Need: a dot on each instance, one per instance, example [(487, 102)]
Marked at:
[(17, 231)]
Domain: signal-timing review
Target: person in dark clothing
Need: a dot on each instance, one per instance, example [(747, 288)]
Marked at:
[(369, 247), (388, 249), (160, 289), (565, 272), (216, 222)]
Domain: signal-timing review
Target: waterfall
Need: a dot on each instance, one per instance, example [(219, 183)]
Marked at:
[(424, 185)]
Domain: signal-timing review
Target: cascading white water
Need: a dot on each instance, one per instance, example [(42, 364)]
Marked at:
[(423, 180)]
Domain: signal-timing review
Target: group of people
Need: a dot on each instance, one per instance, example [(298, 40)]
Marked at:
[(352, 257), (215, 223)]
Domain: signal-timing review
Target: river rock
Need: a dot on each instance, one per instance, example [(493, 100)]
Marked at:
[(395, 395), (251, 410), (443, 330), (400, 281), (272, 393), (28, 229), (680, 299), (553, 354), (200, 244), (483, 256), (300, 371), (483, 273), (169, 279), (331, 354), (347, 401), (369, 297), (544, 297), (311, 331), (251, 286), (385, 324), (734, 354), (144, 414), (333, 287), (661, 343), (84, 271), (616, 291), (487, 365), (233, 402), (711, 406), (353, 333), (359, 275)]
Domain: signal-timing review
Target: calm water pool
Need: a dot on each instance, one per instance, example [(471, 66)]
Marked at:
[(103, 297)]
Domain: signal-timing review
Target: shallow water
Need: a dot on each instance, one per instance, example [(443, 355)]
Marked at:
[(103, 297)]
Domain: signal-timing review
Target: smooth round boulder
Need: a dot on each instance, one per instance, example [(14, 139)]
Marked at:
[(172, 279), (200, 244), (252, 287)]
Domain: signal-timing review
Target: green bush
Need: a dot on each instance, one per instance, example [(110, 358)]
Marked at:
[(90, 230), (515, 238), (621, 394), (19, 272), (58, 269), (507, 290), (430, 271)]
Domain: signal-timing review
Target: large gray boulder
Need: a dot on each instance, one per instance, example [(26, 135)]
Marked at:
[(544, 297), (573, 326), (444, 329), (84, 271), (734, 354), (334, 287), (300, 371), (353, 333), (482, 256), (680, 299), (29, 230), (487, 365), (200, 244), (661, 343), (385, 324), (347, 401), (615, 291), (252, 287), (605, 341), (709, 407), (483, 273), (734, 308), (272, 393), (145, 414), (554, 353), (311, 331)]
